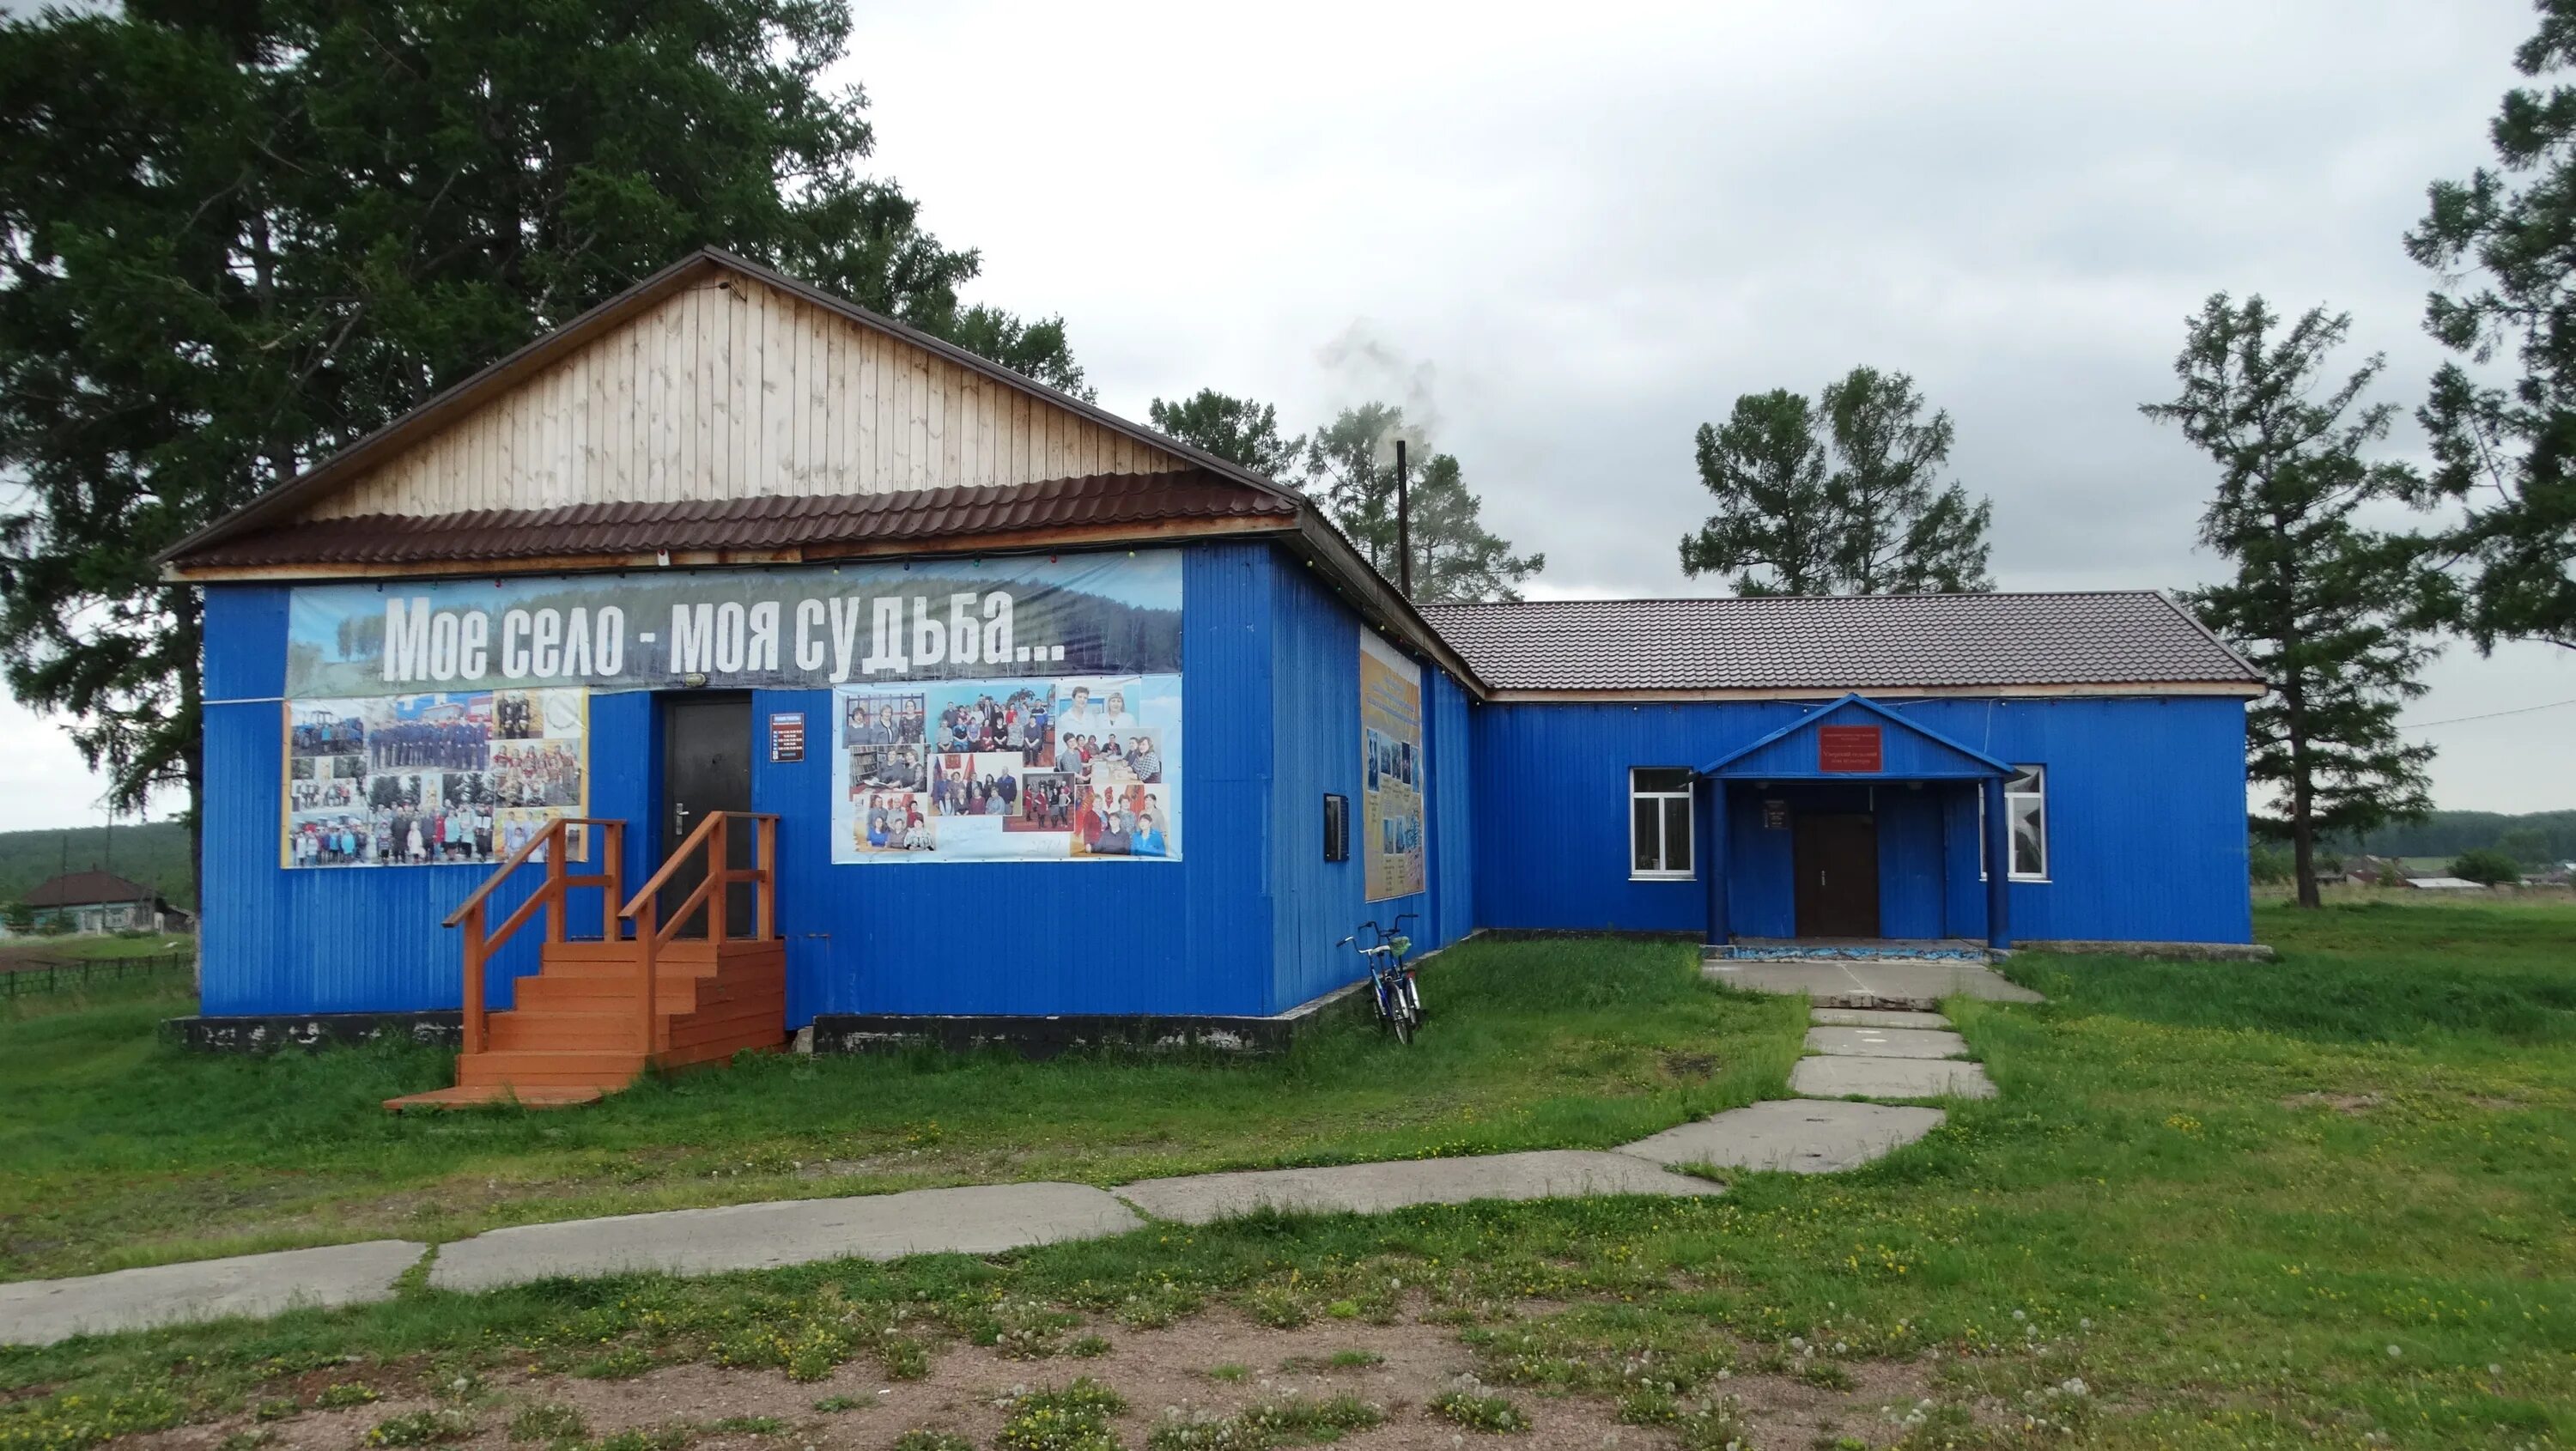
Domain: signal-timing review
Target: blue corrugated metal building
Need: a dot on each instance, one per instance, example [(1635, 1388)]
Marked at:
[(900, 582)]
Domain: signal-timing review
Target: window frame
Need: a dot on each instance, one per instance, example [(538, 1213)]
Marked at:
[(1663, 844), (2038, 772)]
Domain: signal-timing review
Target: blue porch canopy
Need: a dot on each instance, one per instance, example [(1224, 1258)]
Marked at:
[(1856, 739)]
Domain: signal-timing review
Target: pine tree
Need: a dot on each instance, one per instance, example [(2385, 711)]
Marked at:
[(1237, 430), (2322, 606), (1903, 531), (1768, 468), (1842, 498), (234, 238), (2505, 457), (1350, 466)]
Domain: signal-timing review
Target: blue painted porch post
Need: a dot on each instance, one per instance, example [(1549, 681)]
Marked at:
[(1711, 806), (1998, 853)]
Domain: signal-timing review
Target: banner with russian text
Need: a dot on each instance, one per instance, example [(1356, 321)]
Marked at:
[(807, 627)]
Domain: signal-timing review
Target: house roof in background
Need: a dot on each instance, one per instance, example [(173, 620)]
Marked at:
[(87, 889), (2136, 639), (818, 526)]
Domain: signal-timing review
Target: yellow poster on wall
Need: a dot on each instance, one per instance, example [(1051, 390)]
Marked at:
[(1391, 765)]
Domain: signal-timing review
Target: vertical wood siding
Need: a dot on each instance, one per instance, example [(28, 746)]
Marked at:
[(725, 392)]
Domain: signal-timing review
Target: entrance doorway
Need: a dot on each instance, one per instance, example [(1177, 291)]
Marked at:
[(706, 766), (1836, 856)]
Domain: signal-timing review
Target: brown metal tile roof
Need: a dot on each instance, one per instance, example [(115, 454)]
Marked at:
[(1837, 643), (765, 523)]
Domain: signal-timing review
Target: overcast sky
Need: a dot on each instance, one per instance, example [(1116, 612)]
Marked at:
[(1571, 236)]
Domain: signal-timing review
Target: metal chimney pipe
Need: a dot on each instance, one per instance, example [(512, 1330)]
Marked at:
[(1403, 526)]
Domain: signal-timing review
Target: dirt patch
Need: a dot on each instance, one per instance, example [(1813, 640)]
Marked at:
[(1215, 1363), (1694, 1067), (2350, 1104)]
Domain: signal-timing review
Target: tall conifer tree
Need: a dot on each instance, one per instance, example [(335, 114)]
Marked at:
[(235, 237), (2504, 245), (2320, 604), (1842, 497)]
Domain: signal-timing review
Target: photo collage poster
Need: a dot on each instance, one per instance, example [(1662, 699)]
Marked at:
[(1080, 767), (431, 779), (1391, 841)]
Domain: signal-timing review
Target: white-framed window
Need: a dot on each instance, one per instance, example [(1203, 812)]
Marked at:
[(1659, 823), (2026, 807)]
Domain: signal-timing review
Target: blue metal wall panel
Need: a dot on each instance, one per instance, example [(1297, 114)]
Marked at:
[(1315, 659), (1910, 859), (1452, 826), (1034, 938), (1552, 831), (2146, 818), (359, 939)]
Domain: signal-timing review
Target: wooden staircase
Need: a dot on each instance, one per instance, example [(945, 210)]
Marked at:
[(598, 1012)]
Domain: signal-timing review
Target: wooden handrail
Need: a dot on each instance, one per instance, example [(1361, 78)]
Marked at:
[(516, 860), (680, 853), (652, 934), (550, 897)]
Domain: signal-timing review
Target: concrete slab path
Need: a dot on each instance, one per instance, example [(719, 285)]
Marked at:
[(1887, 1042), (1874, 1018), (1838, 983), (1802, 1136), (984, 1219), (1863, 1051), (1890, 1078), (40, 1312), (1372, 1188)]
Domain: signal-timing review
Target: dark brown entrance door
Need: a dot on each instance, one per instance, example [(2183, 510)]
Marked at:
[(1837, 865), (706, 766)]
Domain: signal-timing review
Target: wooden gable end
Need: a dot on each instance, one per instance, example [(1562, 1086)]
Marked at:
[(732, 388)]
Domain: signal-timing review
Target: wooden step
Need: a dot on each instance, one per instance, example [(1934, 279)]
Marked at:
[(672, 992), (531, 1028), (549, 1068), (625, 968)]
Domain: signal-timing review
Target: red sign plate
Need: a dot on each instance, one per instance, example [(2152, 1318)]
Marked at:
[(1848, 748)]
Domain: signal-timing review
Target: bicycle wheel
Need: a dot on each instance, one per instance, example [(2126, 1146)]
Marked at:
[(1401, 1019)]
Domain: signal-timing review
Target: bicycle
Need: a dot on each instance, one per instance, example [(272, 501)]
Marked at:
[(1399, 994)]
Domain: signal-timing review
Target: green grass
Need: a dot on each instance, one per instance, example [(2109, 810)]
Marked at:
[(2326, 1201), (124, 1150)]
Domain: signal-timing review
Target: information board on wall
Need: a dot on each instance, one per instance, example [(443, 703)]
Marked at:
[(1040, 764), (430, 779), (1391, 840)]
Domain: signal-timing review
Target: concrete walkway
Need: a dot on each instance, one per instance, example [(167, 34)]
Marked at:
[(1860, 1050), (1861, 983)]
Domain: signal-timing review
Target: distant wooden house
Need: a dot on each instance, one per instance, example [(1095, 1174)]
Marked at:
[(96, 901)]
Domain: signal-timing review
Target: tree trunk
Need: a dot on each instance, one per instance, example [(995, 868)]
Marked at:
[(2303, 827)]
